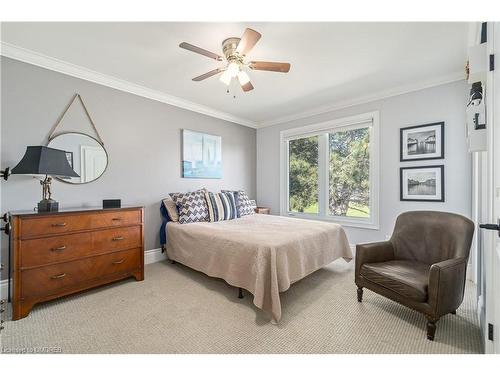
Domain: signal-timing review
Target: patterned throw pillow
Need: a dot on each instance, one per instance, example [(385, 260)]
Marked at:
[(221, 206), (171, 208), (245, 205), (235, 194), (192, 207)]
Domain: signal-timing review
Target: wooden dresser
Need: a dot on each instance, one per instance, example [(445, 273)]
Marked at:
[(59, 253)]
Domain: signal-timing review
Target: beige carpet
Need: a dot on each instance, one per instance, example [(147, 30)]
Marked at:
[(178, 310)]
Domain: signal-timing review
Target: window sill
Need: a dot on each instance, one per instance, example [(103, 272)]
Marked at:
[(343, 222)]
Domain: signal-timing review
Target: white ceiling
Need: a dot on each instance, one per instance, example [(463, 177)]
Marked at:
[(331, 62)]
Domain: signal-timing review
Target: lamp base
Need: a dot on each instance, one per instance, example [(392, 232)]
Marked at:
[(48, 205)]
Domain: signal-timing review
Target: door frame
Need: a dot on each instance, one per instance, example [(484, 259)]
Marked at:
[(490, 238)]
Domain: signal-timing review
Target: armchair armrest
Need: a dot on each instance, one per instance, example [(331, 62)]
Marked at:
[(447, 285), (373, 252)]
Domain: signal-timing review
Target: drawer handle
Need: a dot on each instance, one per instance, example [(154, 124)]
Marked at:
[(60, 248), (116, 218), (58, 276), (118, 238), (118, 261), (59, 224)]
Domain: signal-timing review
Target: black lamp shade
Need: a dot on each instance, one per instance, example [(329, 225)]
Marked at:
[(44, 160)]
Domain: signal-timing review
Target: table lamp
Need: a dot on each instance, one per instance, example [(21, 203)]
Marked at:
[(42, 160)]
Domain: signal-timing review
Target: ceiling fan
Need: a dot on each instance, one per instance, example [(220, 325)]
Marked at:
[(235, 50)]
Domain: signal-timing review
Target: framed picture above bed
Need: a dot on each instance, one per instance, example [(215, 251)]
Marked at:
[(201, 155), (425, 183), (422, 142)]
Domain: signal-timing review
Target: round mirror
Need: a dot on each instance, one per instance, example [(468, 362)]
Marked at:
[(85, 154)]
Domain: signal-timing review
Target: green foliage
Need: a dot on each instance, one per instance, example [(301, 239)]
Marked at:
[(349, 173), (303, 174), (349, 170)]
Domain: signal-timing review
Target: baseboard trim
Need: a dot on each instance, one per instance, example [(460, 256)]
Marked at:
[(154, 255), (150, 256)]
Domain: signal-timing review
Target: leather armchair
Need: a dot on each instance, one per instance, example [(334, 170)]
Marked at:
[(422, 266)]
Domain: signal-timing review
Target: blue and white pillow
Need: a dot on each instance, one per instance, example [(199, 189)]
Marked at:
[(221, 206), (192, 207), (246, 206)]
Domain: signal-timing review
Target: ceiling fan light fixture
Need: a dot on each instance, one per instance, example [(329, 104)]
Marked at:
[(235, 51), (233, 68), (226, 77), (243, 78)]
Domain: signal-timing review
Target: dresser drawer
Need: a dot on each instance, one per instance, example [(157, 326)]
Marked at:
[(41, 251), (116, 218), (51, 279), (117, 239), (54, 224)]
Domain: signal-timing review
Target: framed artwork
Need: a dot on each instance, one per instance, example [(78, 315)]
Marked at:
[(425, 184), (69, 156), (201, 155), (422, 142)]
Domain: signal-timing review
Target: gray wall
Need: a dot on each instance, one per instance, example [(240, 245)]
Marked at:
[(142, 138), (441, 103)]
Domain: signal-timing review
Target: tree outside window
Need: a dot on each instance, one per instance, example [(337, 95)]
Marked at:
[(349, 171)]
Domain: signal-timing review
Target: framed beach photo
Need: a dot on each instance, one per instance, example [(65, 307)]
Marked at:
[(425, 184), (201, 155), (422, 142)]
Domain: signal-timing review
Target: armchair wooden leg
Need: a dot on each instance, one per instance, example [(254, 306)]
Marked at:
[(172, 261), (360, 294), (431, 329), (240, 293), (454, 312)]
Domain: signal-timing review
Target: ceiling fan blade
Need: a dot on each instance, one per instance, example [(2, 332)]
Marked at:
[(247, 87), (248, 40), (270, 66), (209, 74), (201, 51)]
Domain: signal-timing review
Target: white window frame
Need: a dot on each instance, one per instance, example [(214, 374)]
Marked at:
[(346, 123)]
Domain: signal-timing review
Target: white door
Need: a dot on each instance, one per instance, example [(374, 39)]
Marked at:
[(93, 162), (491, 237)]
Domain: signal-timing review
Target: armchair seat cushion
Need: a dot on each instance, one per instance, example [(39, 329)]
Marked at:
[(407, 278)]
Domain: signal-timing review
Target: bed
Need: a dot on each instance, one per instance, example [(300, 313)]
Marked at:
[(262, 254)]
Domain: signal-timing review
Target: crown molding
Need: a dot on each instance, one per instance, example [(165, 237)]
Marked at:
[(31, 57), (400, 90)]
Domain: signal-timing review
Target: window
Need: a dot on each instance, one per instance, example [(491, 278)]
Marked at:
[(330, 171), (303, 175)]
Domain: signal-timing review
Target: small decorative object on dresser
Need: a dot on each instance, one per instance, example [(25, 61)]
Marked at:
[(262, 210), (111, 203), (56, 254)]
